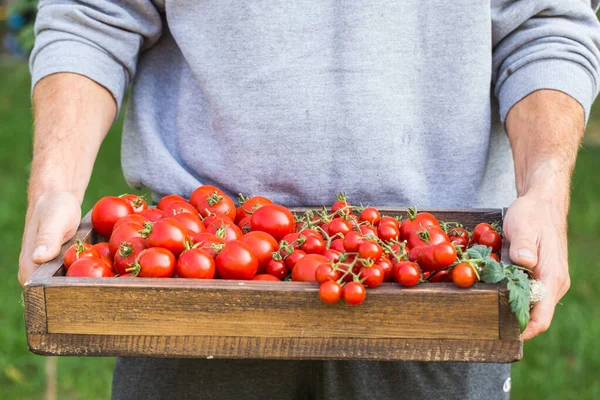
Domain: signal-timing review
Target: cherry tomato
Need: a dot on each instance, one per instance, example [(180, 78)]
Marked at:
[(463, 275), (89, 267), (435, 235), (387, 231), (77, 251), (305, 268), (214, 203), (262, 245), (332, 255), (236, 261), (179, 207), (480, 229), (352, 241), (278, 269), (209, 242), (201, 192), (338, 245), (102, 249), (313, 245), (373, 276), (137, 202), (265, 277), (406, 273), (127, 253), (191, 222), (165, 201), (310, 232), (244, 225), (138, 219), (354, 293), (459, 236), (152, 214), (169, 234), (292, 239), (217, 220), (370, 215), (292, 259), (495, 257), (330, 292), (442, 276), (155, 262), (106, 213), (417, 223), (274, 219), (367, 230), (228, 231), (370, 250), (386, 266), (195, 263), (341, 205), (491, 239), (338, 225), (436, 257), (249, 206), (123, 233), (325, 272)]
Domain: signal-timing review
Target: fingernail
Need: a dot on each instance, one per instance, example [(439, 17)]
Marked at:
[(39, 251), (526, 254)]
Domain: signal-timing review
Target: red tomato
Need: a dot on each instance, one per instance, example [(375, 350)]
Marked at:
[(214, 203), (330, 292), (416, 222), (463, 275), (179, 207), (370, 215), (313, 245), (292, 259), (305, 269), (373, 276), (169, 234), (441, 276), (274, 219), (491, 239), (209, 242), (90, 267), (370, 250), (236, 261), (195, 263), (326, 272), (338, 245), (244, 224), (292, 239), (495, 257), (338, 225), (265, 277), (354, 293), (228, 231), (108, 262), (77, 251), (127, 253), (262, 245), (386, 266), (459, 236), (341, 205), (217, 220), (369, 230), (332, 255), (123, 233), (137, 202), (406, 273), (191, 222), (278, 269), (479, 230), (154, 262), (152, 214), (249, 206), (391, 220), (107, 212), (200, 193), (310, 232), (167, 200), (435, 235), (352, 241), (138, 219), (436, 257), (387, 231), (102, 249)]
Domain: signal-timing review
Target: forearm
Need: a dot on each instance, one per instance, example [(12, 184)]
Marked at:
[(72, 115), (545, 130)]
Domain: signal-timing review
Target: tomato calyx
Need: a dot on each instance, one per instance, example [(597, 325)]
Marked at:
[(79, 248), (412, 213), (214, 199), (146, 230), (125, 249)]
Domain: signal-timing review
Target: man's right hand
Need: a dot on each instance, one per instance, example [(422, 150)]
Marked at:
[(50, 222)]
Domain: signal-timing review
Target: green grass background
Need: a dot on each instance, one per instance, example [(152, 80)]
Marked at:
[(564, 363)]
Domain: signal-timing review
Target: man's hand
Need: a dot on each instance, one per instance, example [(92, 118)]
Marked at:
[(545, 129)]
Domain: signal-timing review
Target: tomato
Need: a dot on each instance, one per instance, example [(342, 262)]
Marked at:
[(109, 262), (338, 225), (277, 268), (191, 222), (152, 214), (434, 235), (313, 245), (387, 231), (370, 215), (352, 240), (274, 219), (341, 205), (338, 245), (89, 267), (124, 233), (262, 245), (442, 276), (292, 259), (195, 263), (155, 262), (236, 261), (201, 192), (138, 219), (77, 251), (479, 230), (463, 275), (332, 255), (265, 277), (214, 203), (292, 239), (330, 292), (209, 242), (406, 273), (137, 202), (249, 206), (310, 232), (178, 207), (102, 249), (106, 213), (354, 293), (495, 257), (169, 234), (386, 266), (370, 250), (167, 200), (217, 220), (305, 269), (244, 225), (367, 230), (459, 236), (326, 272), (373, 276), (127, 253), (491, 239), (228, 231), (416, 222), (436, 257)]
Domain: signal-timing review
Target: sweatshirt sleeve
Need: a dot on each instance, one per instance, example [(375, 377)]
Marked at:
[(545, 44), (99, 39)]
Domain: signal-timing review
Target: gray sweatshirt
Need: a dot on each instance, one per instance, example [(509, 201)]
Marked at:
[(393, 102)]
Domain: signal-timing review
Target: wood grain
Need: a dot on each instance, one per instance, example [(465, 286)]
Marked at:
[(278, 348), (35, 309)]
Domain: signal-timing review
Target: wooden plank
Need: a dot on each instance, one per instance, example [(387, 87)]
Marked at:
[(439, 311), (278, 348), (35, 309), (509, 326)]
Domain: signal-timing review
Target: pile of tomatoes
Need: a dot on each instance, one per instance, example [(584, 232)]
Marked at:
[(344, 249)]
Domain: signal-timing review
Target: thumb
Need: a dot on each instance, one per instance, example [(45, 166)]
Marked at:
[(523, 240), (54, 228)]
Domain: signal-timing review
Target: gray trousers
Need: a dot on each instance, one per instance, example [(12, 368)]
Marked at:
[(182, 379)]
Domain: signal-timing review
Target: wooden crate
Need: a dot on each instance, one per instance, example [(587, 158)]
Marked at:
[(268, 320)]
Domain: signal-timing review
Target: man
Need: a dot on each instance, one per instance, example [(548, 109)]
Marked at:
[(395, 103)]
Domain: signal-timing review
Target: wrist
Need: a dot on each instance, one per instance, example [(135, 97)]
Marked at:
[(549, 181)]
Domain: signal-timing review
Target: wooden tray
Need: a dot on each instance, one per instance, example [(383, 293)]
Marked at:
[(175, 317)]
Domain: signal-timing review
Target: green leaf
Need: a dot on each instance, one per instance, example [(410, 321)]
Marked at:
[(493, 272), (479, 252), (518, 296)]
